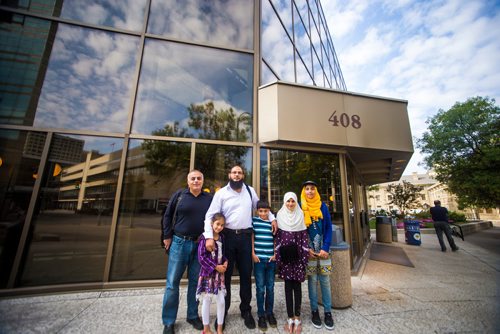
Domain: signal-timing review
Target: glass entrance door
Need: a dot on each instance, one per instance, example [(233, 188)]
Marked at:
[(284, 170)]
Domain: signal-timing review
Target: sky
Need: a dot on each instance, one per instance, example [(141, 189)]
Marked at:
[(430, 53)]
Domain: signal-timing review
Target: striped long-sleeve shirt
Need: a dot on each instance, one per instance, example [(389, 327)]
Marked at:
[(263, 238)]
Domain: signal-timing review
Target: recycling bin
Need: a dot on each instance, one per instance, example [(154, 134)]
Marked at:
[(383, 229), (412, 232)]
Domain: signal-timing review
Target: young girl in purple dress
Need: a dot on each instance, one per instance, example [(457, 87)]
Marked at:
[(292, 252), (211, 282)]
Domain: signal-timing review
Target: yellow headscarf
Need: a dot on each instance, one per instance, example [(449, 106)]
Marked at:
[(311, 207)]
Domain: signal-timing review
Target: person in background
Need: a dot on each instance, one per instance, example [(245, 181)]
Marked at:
[(182, 226), (440, 217), (211, 281), (292, 252), (264, 267), (319, 229)]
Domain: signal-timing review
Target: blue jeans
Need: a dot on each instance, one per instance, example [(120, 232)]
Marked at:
[(182, 254), (326, 295), (264, 272)]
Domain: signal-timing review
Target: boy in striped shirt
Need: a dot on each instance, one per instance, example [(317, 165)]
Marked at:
[(264, 265)]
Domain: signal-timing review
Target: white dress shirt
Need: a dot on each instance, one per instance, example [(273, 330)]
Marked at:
[(237, 207)]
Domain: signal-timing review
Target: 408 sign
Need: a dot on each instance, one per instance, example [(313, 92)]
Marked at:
[(345, 120)]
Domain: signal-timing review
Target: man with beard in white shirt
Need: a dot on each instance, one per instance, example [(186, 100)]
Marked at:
[(236, 201)]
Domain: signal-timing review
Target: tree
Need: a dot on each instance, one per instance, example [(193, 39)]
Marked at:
[(404, 195), (463, 146)]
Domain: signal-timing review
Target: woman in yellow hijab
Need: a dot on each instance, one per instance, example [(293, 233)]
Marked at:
[(319, 229)]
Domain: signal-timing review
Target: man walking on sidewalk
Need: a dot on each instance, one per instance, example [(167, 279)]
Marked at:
[(440, 217)]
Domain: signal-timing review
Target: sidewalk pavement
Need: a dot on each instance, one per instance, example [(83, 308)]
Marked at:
[(452, 292)]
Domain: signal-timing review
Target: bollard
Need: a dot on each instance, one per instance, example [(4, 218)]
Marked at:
[(340, 279)]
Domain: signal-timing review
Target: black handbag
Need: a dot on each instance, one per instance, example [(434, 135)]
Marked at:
[(289, 253)]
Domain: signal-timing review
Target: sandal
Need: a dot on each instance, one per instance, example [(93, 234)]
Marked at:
[(298, 326), (289, 326)]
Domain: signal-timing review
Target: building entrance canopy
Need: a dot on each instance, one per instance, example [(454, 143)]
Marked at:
[(373, 131)]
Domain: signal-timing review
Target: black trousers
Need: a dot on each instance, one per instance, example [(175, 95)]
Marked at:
[(238, 250), (441, 227), (293, 290)]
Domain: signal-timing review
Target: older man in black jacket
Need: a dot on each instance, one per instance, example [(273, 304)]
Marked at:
[(440, 217)]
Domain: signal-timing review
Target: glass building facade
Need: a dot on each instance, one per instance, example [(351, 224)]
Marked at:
[(105, 106)]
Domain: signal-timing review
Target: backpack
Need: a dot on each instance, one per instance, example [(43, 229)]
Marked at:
[(162, 236)]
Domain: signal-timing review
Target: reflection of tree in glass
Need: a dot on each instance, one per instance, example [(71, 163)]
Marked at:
[(288, 170), (164, 158), (222, 124)]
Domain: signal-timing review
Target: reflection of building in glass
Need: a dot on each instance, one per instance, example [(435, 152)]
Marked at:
[(103, 116), (63, 148), (26, 45)]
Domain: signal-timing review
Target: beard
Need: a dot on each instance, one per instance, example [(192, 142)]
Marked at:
[(236, 185)]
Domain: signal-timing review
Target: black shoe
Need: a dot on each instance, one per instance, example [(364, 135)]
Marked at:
[(455, 249), (262, 324), (168, 329), (196, 323), (328, 320), (443, 249), (316, 320), (272, 320), (249, 321)]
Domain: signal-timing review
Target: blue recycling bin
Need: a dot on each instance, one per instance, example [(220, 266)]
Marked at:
[(412, 232)]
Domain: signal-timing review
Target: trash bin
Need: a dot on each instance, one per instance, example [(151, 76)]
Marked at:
[(394, 223), (412, 232), (383, 229)]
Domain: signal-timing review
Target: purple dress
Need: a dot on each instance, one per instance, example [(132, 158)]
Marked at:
[(210, 280), (295, 271)]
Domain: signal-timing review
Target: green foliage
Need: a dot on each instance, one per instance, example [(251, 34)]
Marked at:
[(463, 146), (404, 195), (457, 217), (423, 215), (373, 223), (164, 158)]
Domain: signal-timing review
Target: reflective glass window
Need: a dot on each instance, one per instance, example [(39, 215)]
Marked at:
[(88, 80), (71, 223), (267, 76), (303, 46), (215, 161), (284, 10), (192, 91), (20, 154), (287, 170), (154, 171), (303, 76), (124, 14), (48, 7), (25, 45), (303, 9), (277, 48), (227, 23)]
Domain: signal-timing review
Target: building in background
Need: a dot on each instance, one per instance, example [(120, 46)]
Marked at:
[(379, 198), (105, 106)]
